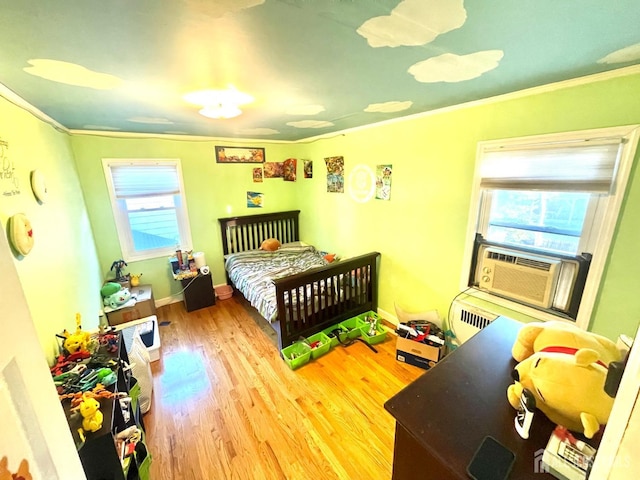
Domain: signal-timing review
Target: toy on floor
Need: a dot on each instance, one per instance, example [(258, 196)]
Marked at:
[(565, 369)]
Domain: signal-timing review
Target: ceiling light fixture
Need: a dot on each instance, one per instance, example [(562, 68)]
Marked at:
[(219, 103), (220, 111)]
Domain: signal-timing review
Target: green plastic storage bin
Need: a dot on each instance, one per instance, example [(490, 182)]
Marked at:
[(380, 336), (296, 355), (353, 327), (323, 347), (381, 333), (334, 340)]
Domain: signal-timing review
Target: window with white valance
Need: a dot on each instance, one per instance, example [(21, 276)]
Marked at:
[(557, 196), (149, 207)]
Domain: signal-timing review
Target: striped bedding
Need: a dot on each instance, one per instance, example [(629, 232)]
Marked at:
[(253, 273)]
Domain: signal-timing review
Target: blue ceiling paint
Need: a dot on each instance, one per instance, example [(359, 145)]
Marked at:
[(288, 53)]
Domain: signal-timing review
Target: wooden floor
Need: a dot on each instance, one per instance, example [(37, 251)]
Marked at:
[(226, 406)]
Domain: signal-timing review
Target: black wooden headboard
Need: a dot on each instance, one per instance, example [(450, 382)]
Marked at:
[(247, 232)]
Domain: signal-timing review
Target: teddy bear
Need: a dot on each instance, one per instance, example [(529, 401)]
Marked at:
[(565, 369)]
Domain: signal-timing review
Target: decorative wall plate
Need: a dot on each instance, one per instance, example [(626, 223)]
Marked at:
[(362, 183), (39, 186), (20, 233)]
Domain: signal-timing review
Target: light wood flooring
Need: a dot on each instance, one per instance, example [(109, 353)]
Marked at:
[(226, 406)]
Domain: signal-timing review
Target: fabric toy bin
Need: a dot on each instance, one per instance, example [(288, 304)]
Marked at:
[(323, 347), (352, 326), (300, 352)]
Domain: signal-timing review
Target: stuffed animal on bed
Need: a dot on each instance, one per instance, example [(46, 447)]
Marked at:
[(270, 245), (565, 369)]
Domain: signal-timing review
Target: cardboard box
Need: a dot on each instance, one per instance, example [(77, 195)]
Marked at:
[(418, 354), (144, 307)]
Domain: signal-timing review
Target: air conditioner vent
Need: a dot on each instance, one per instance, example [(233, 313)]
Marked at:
[(518, 260)]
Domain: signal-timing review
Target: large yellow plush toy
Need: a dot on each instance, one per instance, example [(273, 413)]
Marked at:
[(565, 369)]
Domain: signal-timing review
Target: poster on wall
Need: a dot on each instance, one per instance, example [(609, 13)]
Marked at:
[(308, 168), (383, 182), (290, 169), (273, 170), (335, 174), (257, 175), (255, 199)]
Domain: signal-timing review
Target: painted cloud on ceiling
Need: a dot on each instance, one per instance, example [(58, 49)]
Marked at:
[(71, 74), (455, 68), (627, 54), (310, 124), (414, 22), (388, 107)]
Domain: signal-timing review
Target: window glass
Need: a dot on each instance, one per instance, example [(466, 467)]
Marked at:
[(153, 222), (547, 221), (149, 206)]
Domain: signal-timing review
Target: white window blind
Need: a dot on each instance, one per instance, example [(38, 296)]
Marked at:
[(149, 206), (131, 181), (584, 167)]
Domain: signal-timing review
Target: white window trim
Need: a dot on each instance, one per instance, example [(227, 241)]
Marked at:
[(124, 234), (609, 215)]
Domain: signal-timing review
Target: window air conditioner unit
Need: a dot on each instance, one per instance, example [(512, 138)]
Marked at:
[(468, 319), (521, 276)]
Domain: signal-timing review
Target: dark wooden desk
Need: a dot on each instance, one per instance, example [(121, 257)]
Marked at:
[(443, 416)]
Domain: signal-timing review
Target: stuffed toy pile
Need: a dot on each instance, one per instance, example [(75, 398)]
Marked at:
[(565, 369)]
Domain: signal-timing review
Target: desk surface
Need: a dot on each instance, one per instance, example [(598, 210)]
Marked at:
[(452, 407)]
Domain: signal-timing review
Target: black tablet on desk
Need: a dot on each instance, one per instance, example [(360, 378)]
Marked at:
[(492, 461)]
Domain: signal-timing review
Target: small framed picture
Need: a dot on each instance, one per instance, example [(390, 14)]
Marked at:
[(239, 154)]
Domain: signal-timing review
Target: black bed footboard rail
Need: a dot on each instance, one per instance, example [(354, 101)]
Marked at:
[(316, 299)]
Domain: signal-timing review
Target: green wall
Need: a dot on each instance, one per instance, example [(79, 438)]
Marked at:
[(212, 190), (60, 274), (421, 231)]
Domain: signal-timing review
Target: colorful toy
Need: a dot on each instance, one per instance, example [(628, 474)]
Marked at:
[(135, 279), (538, 336), (77, 341), (91, 414), (118, 266), (565, 369), (119, 298), (22, 473)]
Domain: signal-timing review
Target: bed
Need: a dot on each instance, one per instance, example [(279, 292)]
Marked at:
[(299, 294)]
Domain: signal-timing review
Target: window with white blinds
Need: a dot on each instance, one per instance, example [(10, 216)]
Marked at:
[(556, 195), (149, 206)]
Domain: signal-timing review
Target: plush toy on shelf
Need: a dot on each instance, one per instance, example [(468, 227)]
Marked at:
[(91, 414), (77, 341), (565, 369), (135, 279)]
